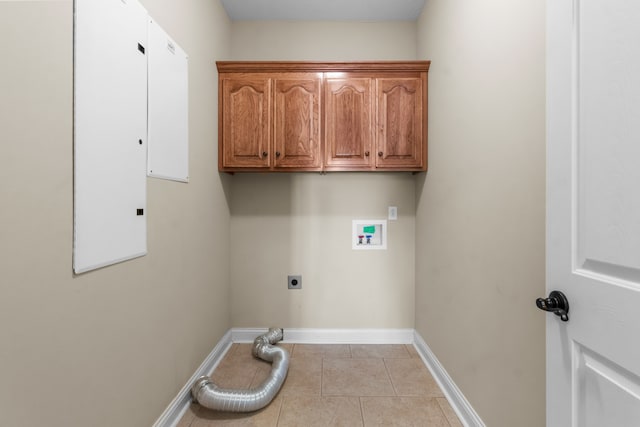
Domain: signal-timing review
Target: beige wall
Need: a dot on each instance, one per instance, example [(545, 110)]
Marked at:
[(480, 210), (114, 346), (322, 41), (111, 347), (301, 223)]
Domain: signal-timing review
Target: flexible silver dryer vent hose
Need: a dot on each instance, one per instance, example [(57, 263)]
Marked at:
[(209, 395)]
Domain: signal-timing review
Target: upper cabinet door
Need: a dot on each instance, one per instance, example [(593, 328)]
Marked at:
[(400, 133), (296, 121), (245, 121), (348, 122)]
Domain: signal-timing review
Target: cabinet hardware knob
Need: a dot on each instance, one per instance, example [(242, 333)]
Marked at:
[(379, 153), (264, 154), (366, 153), (277, 154)]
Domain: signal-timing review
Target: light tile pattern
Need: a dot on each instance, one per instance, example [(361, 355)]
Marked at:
[(334, 385)]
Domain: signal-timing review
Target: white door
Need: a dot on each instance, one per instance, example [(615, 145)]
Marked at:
[(593, 212)]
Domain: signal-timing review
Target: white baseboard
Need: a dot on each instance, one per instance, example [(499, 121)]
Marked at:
[(178, 406), (245, 335), (176, 409), (459, 403), (331, 336)]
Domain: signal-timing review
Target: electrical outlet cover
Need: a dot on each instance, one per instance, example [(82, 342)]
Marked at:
[(393, 213)]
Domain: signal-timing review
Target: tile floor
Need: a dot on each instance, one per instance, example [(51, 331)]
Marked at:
[(334, 385)]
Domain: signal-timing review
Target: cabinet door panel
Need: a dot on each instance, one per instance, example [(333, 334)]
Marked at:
[(297, 122), (348, 126), (246, 117), (400, 124)]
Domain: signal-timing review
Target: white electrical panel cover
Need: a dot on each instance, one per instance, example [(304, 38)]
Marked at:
[(168, 137), (110, 132)]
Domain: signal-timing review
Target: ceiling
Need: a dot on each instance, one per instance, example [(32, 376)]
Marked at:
[(323, 10)]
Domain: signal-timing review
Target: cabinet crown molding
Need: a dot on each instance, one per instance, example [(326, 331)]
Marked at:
[(319, 66)]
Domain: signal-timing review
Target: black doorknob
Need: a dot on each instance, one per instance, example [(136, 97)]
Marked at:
[(557, 303)]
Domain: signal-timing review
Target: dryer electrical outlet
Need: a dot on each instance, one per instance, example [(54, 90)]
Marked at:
[(294, 282)]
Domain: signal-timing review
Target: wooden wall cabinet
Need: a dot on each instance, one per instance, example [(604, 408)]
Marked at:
[(319, 116)]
